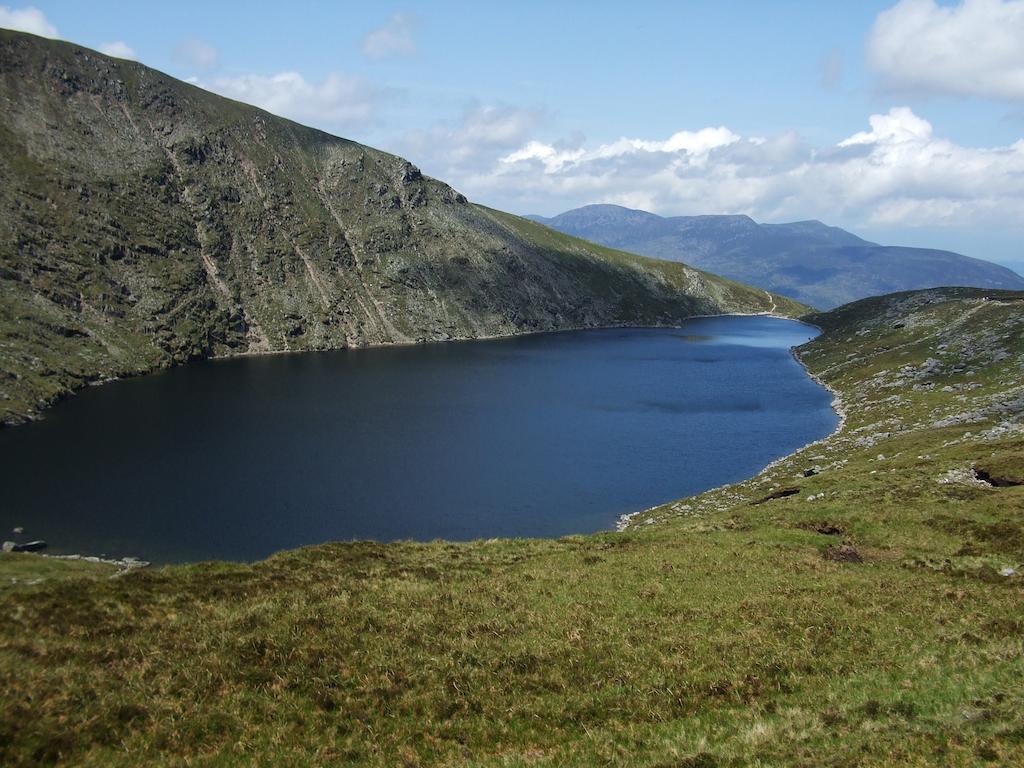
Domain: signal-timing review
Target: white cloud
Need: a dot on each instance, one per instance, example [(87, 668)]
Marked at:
[(119, 49), (695, 145), (975, 48), (338, 100), (196, 54), (497, 126), (899, 126), (896, 173), (392, 39), (473, 141), (27, 19)]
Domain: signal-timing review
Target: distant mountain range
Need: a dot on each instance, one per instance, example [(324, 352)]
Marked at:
[(806, 260)]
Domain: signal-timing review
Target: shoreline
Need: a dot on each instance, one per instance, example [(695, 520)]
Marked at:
[(129, 563), (491, 337), (123, 564), (101, 381), (625, 521)]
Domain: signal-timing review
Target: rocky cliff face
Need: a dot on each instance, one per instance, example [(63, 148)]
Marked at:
[(147, 222)]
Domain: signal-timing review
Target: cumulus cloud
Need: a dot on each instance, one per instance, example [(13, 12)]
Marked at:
[(695, 145), (898, 172), (899, 126), (119, 49), (975, 48), (393, 39), (27, 19), (337, 101), (196, 54), (494, 126), (471, 141)]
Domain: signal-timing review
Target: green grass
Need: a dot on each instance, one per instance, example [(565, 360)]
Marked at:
[(20, 569), (718, 635)]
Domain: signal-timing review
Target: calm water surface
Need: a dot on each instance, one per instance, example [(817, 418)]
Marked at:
[(538, 436)]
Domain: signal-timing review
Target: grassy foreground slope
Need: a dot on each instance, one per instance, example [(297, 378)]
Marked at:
[(145, 222), (737, 628)]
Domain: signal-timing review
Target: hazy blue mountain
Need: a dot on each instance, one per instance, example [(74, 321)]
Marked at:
[(807, 260)]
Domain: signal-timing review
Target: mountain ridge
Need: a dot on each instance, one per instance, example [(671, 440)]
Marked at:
[(812, 262), (148, 222)]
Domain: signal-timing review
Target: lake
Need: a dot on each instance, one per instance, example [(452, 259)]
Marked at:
[(540, 435)]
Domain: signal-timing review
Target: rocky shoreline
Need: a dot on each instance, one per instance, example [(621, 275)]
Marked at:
[(125, 564)]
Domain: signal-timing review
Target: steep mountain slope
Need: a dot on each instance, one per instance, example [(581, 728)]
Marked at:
[(146, 222), (857, 603), (809, 261)]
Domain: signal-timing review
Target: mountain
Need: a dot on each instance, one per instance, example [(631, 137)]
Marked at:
[(806, 260), (148, 222)]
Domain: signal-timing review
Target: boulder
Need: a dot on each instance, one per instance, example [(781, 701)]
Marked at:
[(29, 546)]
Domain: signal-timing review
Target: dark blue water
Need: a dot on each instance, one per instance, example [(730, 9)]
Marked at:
[(537, 436)]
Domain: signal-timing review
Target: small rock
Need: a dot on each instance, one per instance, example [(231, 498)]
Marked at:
[(31, 546), (828, 529), (843, 553), (780, 494), (8, 546), (1007, 571)]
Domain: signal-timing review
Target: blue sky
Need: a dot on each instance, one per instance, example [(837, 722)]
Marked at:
[(680, 108)]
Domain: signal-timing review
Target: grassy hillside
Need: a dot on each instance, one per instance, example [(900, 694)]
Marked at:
[(847, 606), (146, 222)]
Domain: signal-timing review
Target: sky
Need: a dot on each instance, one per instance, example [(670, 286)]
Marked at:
[(901, 121)]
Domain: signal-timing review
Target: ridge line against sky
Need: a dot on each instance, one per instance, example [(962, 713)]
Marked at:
[(902, 121)]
